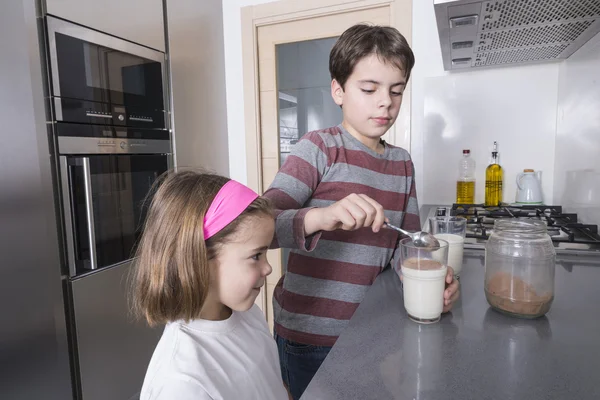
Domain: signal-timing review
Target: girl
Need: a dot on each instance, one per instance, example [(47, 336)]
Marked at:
[(200, 265)]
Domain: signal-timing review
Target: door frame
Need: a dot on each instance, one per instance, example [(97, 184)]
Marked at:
[(254, 17)]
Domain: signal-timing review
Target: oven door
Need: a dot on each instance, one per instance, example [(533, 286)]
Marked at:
[(97, 78), (104, 206)]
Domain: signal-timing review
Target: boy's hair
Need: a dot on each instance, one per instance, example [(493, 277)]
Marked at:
[(362, 40), (171, 273)]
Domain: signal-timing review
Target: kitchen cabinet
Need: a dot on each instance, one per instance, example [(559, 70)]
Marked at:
[(140, 21)]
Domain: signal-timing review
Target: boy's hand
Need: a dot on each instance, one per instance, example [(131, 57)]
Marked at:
[(353, 212), (452, 290)]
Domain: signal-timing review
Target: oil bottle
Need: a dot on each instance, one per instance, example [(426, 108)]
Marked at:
[(465, 184), (493, 180)]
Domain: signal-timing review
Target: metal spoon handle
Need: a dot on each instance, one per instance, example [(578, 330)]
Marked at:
[(394, 227), (420, 239)]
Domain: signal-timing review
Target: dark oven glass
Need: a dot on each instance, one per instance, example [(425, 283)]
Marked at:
[(118, 185), (88, 71)]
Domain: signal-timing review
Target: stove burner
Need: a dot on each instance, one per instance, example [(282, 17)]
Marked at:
[(553, 231), (562, 227)]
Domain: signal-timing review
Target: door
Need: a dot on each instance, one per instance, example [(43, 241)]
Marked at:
[(287, 85)]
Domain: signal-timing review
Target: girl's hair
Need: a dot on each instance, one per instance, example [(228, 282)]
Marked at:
[(171, 274)]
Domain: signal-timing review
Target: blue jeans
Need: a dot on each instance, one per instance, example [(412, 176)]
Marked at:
[(299, 363)]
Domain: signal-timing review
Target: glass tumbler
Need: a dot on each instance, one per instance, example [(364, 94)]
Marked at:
[(424, 279), (453, 230)]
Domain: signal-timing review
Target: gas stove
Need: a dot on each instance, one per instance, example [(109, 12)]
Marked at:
[(566, 233)]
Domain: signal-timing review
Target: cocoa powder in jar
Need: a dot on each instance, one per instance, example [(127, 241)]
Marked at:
[(513, 295)]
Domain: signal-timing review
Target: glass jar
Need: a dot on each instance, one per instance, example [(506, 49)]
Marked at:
[(519, 268)]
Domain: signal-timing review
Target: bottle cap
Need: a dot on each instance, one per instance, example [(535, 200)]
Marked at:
[(466, 151)]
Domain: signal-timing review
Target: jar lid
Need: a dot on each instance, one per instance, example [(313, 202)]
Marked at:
[(528, 170)]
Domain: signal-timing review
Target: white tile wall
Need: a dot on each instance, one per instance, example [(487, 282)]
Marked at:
[(577, 169), (515, 106)]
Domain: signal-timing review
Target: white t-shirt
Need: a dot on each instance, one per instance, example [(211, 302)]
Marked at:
[(229, 360)]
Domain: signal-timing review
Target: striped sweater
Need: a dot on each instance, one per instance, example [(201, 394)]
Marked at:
[(328, 273)]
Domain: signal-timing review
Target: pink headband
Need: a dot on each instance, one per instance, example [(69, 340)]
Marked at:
[(231, 200)]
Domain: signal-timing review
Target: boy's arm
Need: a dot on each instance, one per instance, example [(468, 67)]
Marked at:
[(291, 189)]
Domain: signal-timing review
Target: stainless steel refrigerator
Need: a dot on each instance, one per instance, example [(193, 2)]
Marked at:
[(34, 356), (71, 194)]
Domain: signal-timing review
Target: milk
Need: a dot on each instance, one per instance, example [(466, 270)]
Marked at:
[(424, 291), (455, 250)]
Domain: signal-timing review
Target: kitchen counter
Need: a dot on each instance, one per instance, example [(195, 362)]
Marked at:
[(474, 352)]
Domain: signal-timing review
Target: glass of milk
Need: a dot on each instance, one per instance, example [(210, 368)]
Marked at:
[(453, 230), (423, 279)]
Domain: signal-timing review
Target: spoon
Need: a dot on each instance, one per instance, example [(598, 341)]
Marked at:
[(420, 239)]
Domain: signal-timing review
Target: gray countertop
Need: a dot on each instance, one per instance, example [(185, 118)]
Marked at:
[(473, 352)]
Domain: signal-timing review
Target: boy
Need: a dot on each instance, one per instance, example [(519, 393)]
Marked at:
[(332, 197)]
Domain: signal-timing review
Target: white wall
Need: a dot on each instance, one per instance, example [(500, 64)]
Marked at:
[(198, 74), (232, 27), (577, 172), (515, 106)]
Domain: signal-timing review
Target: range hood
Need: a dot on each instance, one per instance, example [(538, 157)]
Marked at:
[(475, 33)]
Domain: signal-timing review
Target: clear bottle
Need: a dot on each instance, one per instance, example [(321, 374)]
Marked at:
[(519, 268), (465, 185), (494, 175)]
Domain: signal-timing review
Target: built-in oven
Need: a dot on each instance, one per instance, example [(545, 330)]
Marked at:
[(97, 78), (106, 175)]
